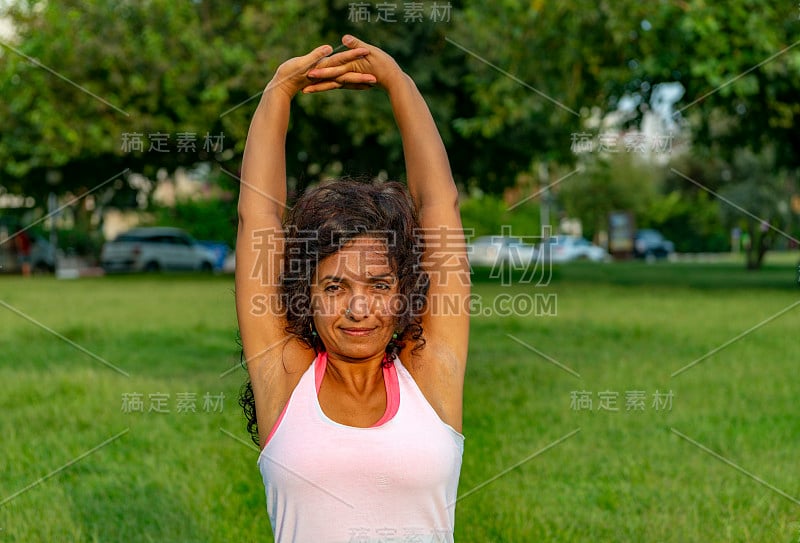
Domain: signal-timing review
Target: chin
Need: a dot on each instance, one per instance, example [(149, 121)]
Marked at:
[(361, 352)]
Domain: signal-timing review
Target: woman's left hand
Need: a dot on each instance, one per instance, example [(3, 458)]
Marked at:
[(338, 71), (370, 60), (292, 75)]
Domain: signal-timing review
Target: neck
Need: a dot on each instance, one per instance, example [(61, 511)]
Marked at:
[(357, 376)]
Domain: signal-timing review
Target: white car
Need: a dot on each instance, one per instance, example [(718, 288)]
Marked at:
[(499, 250), (569, 248), (155, 249)]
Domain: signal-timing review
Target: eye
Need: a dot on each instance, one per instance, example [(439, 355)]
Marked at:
[(382, 286), (333, 288)]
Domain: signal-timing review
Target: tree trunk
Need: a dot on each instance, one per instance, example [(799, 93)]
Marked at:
[(761, 243)]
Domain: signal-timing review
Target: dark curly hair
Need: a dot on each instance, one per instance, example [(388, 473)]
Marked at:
[(324, 220)]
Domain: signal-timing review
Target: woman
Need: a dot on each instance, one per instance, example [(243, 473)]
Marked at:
[(357, 363)]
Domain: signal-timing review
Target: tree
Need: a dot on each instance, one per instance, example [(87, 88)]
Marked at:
[(139, 71), (757, 201), (160, 68), (509, 83)]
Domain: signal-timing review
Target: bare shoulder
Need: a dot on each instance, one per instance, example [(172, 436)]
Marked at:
[(439, 374)]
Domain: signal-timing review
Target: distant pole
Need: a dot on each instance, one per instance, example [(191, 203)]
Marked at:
[(52, 211), (544, 207), (736, 236)]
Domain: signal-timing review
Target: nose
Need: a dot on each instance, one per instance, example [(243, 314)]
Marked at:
[(357, 307)]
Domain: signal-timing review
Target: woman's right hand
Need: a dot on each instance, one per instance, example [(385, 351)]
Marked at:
[(293, 75), (376, 62)]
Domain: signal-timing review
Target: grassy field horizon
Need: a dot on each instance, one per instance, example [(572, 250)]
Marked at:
[(646, 403)]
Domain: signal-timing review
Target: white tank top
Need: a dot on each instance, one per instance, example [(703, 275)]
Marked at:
[(330, 483)]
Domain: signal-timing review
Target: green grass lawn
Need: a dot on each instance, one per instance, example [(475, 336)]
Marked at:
[(719, 464)]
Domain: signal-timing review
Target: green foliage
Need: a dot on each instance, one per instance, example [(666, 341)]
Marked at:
[(750, 191), (81, 241), (615, 183), (210, 214), (740, 67), (508, 83), (145, 63), (204, 219), (484, 215), (691, 221)]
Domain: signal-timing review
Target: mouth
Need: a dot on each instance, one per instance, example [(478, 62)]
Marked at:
[(357, 331)]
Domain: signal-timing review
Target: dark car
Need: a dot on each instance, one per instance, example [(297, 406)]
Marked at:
[(651, 244)]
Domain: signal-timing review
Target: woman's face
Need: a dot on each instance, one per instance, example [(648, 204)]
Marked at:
[(351, 300)]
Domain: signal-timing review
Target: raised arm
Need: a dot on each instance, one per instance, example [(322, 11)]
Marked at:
[(436, 199), (262, 200), (440, 371), (262, 197)]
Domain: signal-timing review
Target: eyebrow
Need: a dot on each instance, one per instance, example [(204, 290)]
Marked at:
[(389, 275), (379, 277)]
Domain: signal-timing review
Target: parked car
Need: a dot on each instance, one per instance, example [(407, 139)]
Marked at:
[(500, 250), (569, 248), (155, 249), (651, 244)]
